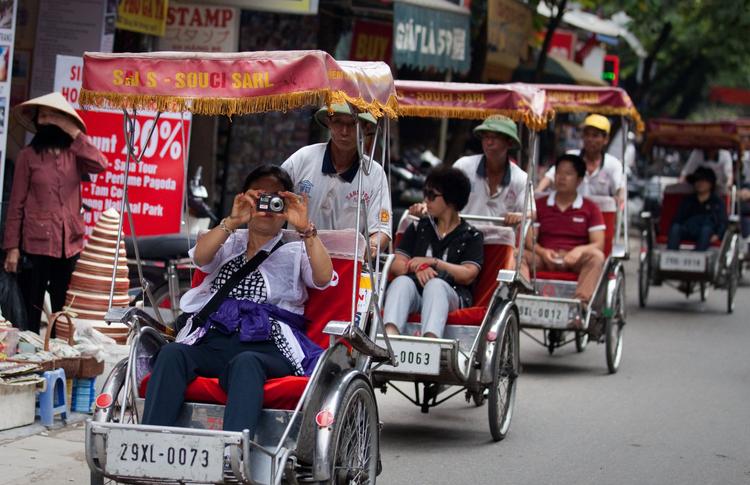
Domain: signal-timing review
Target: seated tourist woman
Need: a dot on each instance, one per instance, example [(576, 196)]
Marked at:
[(570, 232), (437, 259), (702, 216), (257, 331)]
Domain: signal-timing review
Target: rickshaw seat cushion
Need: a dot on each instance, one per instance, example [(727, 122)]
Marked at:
[(663, 238), (471, 316), (557, 275), (280, 393)]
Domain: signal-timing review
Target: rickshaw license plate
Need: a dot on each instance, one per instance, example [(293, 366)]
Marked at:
[(540, 312), (414, 358), (144, 454), (687, 261)]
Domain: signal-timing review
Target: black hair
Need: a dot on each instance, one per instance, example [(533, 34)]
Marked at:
[(269, 171), (452, 183), (578, 163)]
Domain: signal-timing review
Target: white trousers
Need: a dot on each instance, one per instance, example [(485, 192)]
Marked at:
[(437, 299)]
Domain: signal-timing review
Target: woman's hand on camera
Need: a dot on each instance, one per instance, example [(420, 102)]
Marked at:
[(295, 210), (11, 260), (243, 209)]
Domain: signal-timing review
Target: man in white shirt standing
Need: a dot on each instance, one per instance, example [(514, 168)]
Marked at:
[(498, 185), (603, 171), (328, 172)]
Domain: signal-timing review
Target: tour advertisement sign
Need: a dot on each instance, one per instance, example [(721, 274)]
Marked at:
[(156, 185)]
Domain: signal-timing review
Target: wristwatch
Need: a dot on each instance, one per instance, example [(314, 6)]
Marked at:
[(223, 227)]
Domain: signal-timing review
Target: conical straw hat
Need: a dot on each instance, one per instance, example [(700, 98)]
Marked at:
[(25, 111)]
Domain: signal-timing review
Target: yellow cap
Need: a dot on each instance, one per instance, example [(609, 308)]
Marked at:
[(597, 121)]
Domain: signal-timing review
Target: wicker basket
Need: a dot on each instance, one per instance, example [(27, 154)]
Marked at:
[(71, 365), (90, 367)]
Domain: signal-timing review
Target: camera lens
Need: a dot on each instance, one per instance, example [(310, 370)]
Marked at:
[(276, 204)]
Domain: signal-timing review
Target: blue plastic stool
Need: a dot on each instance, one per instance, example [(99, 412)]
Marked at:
[(52, 399)]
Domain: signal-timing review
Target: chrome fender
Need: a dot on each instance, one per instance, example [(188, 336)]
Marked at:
[(112, 386), (490, 339), (324, 436)]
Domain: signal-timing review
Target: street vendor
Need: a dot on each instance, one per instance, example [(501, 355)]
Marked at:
[(257, 331), (327, 174), (570, 229), (44, 226), (603, 171)]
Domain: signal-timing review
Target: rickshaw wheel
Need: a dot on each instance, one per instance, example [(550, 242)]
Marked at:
[(644, 280), (582, 340), (355, 450), (614, 326), (506, 367)]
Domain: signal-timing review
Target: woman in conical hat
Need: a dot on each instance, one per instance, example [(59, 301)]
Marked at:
[(44, 221)]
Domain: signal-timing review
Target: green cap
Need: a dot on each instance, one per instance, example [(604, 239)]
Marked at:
[(341, 108), (499, 124)]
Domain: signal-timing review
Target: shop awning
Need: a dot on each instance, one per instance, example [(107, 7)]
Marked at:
[(431, 34)]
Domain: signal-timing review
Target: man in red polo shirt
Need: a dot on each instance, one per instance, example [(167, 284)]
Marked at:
[(570, 229)]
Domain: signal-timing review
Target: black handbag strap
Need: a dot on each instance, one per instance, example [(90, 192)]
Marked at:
[(247, 268)]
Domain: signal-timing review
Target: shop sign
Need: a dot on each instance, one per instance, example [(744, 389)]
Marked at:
[(371, 41), (156, 185), (303, 7), (509, 25), (144, 16), (201, 28), (7, 34), (426, 38)]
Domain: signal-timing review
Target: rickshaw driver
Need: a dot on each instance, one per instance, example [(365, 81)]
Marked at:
[(327, 174), (498, 184), (571, 228), (603, 171), (720, 161)]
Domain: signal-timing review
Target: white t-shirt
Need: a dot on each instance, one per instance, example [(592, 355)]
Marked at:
[(606, 180), (333, 197), (722, 168), (509, 196)]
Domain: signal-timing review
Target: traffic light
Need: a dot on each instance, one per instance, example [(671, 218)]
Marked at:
[(611, 72)]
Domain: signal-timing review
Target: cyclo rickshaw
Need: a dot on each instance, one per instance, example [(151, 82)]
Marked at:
[(720, 266), (551, 307), (479, 351), (322, 428)]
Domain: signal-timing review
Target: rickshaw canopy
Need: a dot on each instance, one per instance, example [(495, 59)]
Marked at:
[(687, 134), (743, 131), (612, 101), (430, 99), (234, 83)]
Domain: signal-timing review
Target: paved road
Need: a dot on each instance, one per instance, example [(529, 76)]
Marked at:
[(678, 412)]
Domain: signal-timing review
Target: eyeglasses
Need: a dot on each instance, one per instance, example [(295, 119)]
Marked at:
[(431, 194)]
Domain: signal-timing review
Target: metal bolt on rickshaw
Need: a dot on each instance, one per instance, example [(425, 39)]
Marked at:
[(479, 350), (552, 306), (321, 428), (693, 271)]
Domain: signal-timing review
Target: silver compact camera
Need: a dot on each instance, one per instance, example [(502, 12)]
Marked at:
[(270, 203)]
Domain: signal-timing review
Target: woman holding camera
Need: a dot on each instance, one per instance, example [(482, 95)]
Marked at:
[(257, 330)]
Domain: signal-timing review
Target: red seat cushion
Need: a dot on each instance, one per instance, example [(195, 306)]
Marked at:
[(281, 393), (662, 239), (557, 275)]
